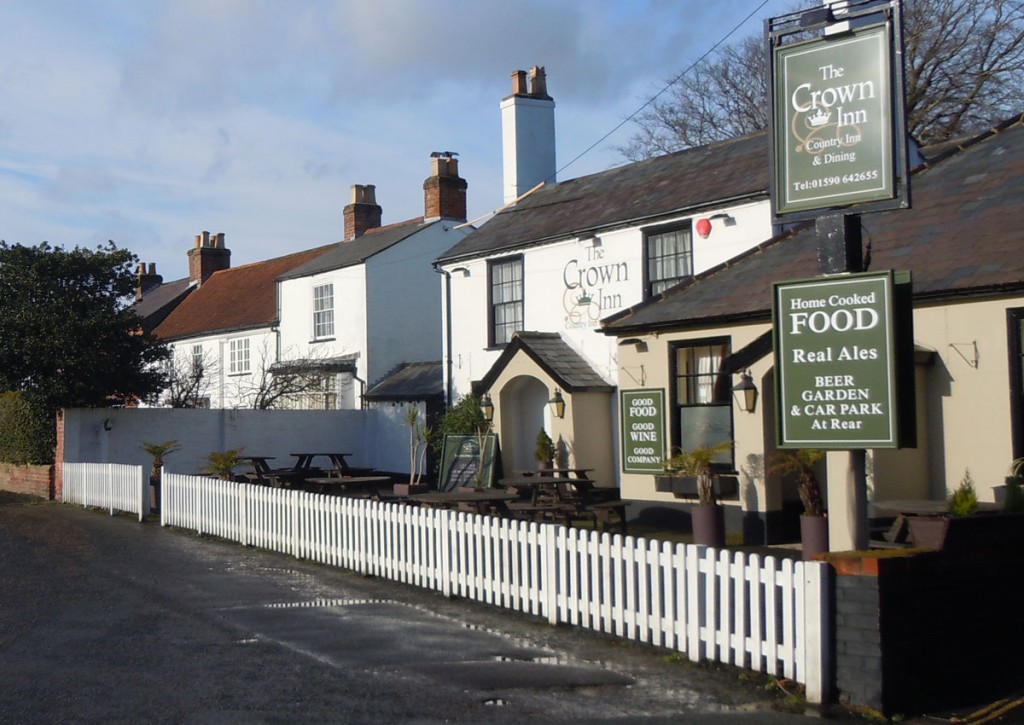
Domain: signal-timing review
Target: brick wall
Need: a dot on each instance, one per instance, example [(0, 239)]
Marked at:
[(929, 631), (31, 480)]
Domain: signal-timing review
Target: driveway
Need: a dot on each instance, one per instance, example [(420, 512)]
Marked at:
[(107, 619)]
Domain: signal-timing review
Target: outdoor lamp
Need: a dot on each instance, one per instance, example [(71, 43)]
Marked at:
[(746, 392), (487, 407), (557, 404)]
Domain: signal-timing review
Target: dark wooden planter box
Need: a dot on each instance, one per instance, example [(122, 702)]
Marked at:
[(686, 486), (965, 533)]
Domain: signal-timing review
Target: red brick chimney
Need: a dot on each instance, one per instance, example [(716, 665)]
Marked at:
[(444, 193), (147, 280), (363, 213), (207, 257)]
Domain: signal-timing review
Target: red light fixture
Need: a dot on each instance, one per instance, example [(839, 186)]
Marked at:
[(704, 228)]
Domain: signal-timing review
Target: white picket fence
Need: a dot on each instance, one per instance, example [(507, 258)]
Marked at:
[(112, 486), (760, 613)]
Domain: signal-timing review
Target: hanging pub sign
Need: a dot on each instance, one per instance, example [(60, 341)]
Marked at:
[(643, 430), (836, 110), (844, 362)]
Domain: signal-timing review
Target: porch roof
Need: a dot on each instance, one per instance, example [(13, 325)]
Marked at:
[(567, 368)]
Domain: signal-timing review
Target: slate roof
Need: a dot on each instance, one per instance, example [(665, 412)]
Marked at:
[(157, 303), (410, 381), (963, 237), (635, 193), (233, 299), (358, 250), (567, 368)]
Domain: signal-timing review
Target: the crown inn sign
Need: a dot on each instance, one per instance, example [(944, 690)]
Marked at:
[(833, 122)]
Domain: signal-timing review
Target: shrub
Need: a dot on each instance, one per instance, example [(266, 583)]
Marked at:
[(964, 500), (27, 436)]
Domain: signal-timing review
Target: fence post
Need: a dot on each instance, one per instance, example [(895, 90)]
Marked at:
[(243, 514), (817, 663), (143, 497), (550, 557)]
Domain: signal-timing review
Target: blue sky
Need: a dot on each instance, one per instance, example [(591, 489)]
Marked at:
[(147, 122)]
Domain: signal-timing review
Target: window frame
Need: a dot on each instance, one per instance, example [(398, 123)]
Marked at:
[(322, 313), (724, 401), (236, 347), (649, 235), (492, 306)]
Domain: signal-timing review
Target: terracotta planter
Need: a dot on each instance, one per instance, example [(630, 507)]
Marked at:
[(813, 535), (708, 525)]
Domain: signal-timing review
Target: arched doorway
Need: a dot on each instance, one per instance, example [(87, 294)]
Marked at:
[(523, 404)]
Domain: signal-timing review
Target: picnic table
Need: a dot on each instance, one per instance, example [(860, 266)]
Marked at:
[(339, 464), (361, 486), (264, 474), (475, 500), (565, 496)]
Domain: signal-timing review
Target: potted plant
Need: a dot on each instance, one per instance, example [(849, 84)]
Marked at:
[(802, 463), (544, 452), (930, 532), (1013, 491), (158, 451), (708, 516), (222, 463)]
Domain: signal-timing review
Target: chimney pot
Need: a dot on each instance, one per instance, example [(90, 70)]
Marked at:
[(538, 82), (519, 83)]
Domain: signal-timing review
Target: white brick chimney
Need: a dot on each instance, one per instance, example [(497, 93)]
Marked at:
[(527, 134)]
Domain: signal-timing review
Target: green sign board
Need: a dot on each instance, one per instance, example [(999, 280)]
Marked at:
[(642, 418), (833, 121), (841, 362)]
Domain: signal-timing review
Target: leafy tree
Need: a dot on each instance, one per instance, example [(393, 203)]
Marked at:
[(964, 70), (68, 337)]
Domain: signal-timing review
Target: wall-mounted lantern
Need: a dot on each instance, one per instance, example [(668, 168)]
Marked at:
[(487, 407), (557, 404), (745, 392)]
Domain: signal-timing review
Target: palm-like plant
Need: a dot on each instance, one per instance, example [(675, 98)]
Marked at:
[(697, 463), (158, 451), (802, 463), (222, 463)]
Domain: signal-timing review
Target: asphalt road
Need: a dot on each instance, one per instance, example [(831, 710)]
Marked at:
[(105, 619)]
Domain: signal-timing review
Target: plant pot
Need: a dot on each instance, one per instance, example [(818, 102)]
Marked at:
[(154, 497), (813, 535), (708, 525), (545, 465)]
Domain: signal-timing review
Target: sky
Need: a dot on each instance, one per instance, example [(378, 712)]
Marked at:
[(146, 122)]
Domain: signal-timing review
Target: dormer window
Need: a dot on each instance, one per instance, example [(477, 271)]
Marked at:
[(323, 311), (669, 257)]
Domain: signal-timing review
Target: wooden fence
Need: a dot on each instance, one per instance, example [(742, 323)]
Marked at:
[(760, 613), (111, 486)]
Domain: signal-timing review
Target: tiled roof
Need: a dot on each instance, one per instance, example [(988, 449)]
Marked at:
[(629, 194), (410, 381), (160, 301), (358, 250), (233, 299), (963, 236), (567, 368)]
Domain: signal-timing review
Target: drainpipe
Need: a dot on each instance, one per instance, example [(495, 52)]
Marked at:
[(447, 335)]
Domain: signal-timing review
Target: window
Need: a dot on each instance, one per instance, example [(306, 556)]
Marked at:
[(702, 397), (197, 360), (669, 258), (239, 356), (323, 311), (506, 278)]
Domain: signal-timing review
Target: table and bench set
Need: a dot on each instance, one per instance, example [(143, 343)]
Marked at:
[(556, 495)]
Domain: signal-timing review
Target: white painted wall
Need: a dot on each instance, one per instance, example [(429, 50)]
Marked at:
[(375, 438), (559, 277), (386, 311), (227, 390)]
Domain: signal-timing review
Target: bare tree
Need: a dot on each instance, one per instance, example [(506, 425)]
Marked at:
[(188, 380), (279, 386), (964, 70)]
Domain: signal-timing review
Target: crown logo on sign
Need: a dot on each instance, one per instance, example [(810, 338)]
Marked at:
[(820, 118)]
